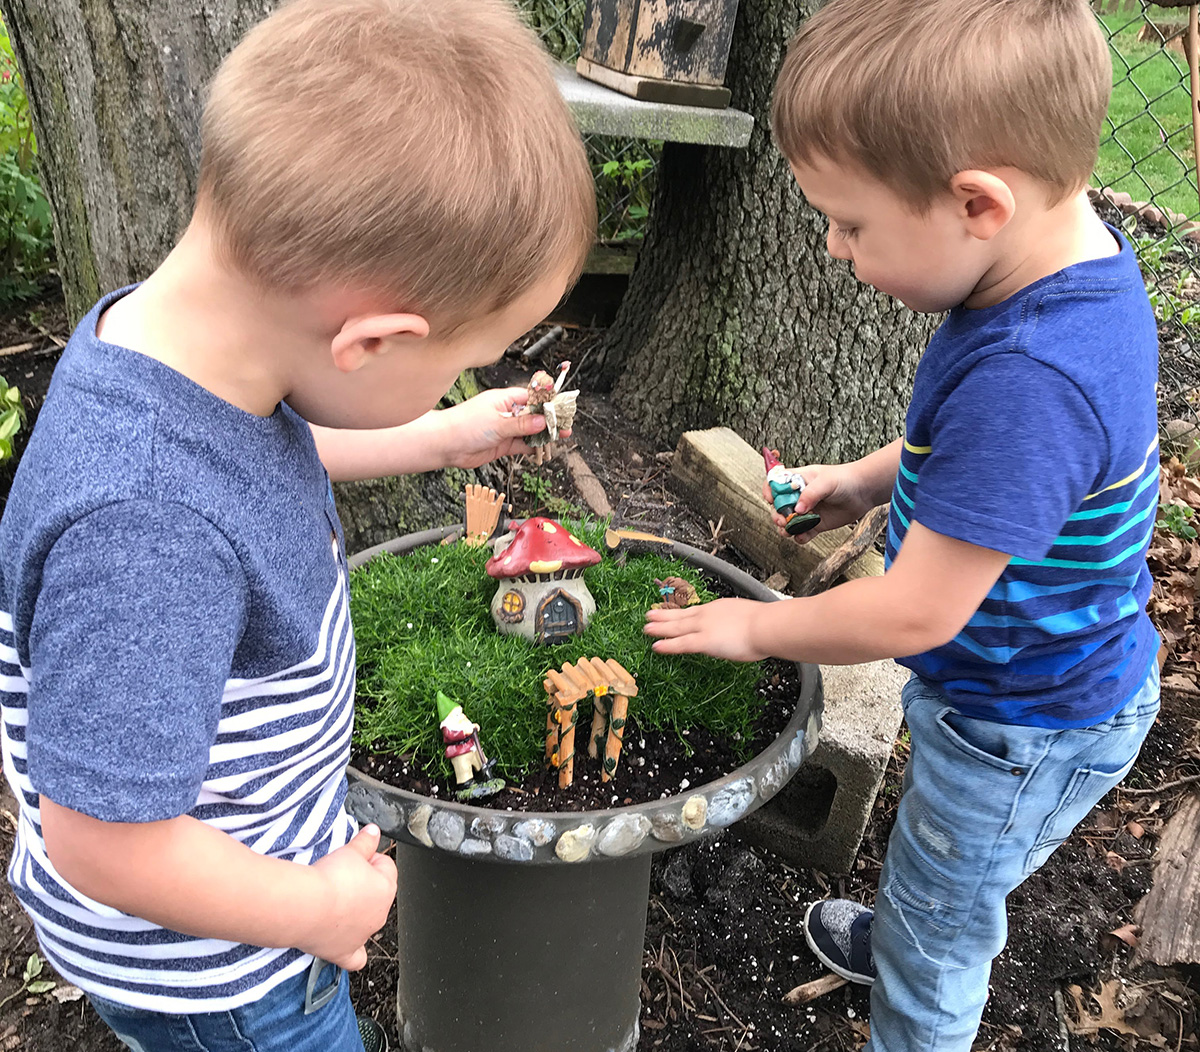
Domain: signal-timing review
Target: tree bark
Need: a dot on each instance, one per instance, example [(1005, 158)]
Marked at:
[(736, 315), (116, 90)]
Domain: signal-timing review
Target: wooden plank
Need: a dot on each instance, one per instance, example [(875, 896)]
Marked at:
[(1168, 915), (722, 476), (656, 89)]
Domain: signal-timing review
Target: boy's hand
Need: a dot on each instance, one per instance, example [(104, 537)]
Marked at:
[(834, 490), (361, 887), (478, 432), (724, 628)]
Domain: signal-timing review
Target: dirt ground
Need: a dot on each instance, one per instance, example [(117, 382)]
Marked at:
[(724, 940)]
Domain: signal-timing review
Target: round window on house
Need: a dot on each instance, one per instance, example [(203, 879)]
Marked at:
[(512, 607)]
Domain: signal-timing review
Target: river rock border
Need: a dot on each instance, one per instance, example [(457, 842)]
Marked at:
[(570, 837)]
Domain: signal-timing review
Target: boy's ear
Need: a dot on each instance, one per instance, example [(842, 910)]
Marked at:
[(986, 202), (366, 336)]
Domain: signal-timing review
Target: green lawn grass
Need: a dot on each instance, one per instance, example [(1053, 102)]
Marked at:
[(422, 623), (1146, 149)]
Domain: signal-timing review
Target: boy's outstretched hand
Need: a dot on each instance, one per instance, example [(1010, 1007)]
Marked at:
[(725, 628), (480, 433), (361, 887)]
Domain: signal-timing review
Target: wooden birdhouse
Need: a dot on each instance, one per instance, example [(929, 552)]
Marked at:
[(542, 594), (659, 50)]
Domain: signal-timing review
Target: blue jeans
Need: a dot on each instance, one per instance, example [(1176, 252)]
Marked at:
[(983, 807), (276, 1023)]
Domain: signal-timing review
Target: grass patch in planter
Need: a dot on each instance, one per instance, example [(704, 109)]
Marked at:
[(422, 624)]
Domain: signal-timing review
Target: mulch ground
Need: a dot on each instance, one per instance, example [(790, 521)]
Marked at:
[(724, 941)]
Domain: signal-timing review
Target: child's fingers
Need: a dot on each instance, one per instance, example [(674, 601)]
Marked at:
[(366, 841), (520, 426), (511, 395), (356, 961), (675, 631), (385, 866)]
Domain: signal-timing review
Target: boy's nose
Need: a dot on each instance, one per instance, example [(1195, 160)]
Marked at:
[(836, 246)]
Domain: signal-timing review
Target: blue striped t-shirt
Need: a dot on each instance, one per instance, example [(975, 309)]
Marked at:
[(1033, 431), (175, 639)]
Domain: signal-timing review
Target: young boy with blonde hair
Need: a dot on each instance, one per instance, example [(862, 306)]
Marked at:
[(390, 191), (950, 142)]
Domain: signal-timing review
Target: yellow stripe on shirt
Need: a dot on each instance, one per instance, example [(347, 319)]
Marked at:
[(1128, 478)]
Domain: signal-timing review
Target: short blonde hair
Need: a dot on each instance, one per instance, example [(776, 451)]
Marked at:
[(414, 149), (915, 91)]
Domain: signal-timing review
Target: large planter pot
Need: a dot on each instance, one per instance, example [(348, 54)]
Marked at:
[(522, 932)]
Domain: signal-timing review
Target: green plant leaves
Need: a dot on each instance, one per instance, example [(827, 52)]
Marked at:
[(26, 227), (12, 416)]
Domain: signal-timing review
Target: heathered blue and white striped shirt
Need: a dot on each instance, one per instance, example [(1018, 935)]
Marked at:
[(1033, 431), (174, 639)]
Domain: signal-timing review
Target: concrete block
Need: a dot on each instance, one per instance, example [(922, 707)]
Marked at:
[(818, 818), (601, 111)]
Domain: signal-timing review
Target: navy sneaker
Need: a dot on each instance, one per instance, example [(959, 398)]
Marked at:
[(374, 1038), (838, 931)]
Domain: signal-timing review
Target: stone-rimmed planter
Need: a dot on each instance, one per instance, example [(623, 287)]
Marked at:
[(522, 931)]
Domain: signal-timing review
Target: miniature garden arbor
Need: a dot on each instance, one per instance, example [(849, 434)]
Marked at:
[(611, 687), (542, 594)]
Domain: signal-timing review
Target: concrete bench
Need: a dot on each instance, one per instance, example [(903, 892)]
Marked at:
[(601, 111)]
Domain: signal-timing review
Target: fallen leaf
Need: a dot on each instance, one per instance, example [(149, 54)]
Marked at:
[(62, 994), (1115, 861), (1110, 1016), (1126, 933), (1135, 829)]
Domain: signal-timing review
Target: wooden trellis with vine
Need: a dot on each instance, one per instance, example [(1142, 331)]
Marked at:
[(611, 687)]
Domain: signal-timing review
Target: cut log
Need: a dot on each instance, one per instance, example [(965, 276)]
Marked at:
[(723, 476), (635, 542), (1168, 915), (862, 537)]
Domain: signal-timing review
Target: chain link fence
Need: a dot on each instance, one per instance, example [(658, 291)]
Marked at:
[(1146, 182), (624, 168)]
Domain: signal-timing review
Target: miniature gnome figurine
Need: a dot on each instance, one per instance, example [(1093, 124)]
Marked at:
[(676, 594), (547, 397), (464, 752), (786, 487)]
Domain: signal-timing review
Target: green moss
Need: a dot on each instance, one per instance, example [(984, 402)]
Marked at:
[(422, 624)]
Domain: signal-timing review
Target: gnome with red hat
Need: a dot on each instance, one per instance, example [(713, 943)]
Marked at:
[(786, 487)]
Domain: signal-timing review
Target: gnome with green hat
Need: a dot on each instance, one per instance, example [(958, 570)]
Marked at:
[(472, 770)]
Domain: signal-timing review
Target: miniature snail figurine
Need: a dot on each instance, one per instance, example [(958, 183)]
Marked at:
[(676, 594), (786, 487)]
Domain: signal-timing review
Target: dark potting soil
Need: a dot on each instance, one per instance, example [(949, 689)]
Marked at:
[(653, 764)]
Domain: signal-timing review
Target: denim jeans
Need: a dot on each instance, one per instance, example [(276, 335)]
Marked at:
[(984, 805), (276, 1023)]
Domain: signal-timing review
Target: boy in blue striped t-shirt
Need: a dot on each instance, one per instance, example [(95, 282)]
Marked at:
[(390, 192), (950, 143)]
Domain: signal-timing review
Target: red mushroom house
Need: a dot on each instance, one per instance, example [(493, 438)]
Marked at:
[(542, 594)]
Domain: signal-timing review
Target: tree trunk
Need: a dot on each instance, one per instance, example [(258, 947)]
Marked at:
[(116, 89), (736, 315)]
